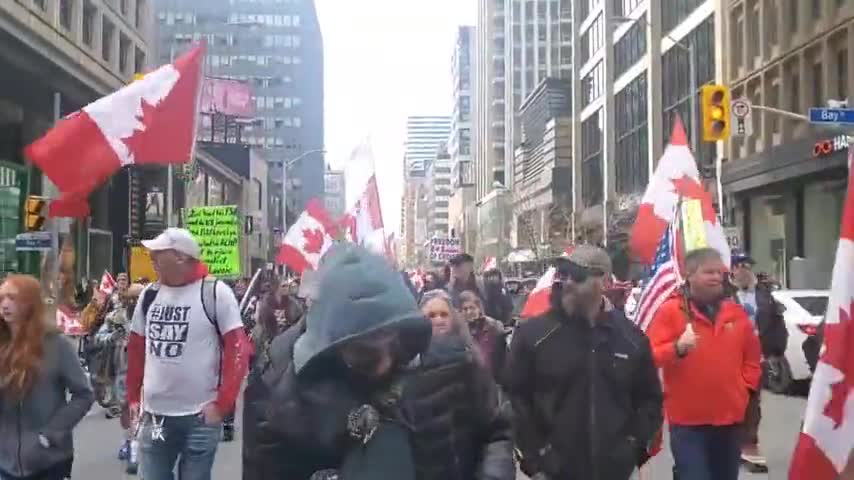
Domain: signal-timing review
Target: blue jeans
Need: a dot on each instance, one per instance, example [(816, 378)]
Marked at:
[(187, 441), (706, 452)]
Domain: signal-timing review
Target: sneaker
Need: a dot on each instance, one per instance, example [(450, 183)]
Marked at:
[(753, 461), (132, 466), (227, 433), (124, 451)]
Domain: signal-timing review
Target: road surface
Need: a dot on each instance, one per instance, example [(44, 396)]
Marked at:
[(97, 441)]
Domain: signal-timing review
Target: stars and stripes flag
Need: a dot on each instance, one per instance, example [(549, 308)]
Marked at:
[(664, 278)]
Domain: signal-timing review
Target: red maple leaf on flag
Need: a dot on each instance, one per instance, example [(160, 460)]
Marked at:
[(839, 339), (313, 240), (691, 188)]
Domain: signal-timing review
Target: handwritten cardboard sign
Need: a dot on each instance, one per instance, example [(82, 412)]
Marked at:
[(442, 249), (217, 229)]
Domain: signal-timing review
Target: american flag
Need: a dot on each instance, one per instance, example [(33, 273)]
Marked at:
[(663, 280)]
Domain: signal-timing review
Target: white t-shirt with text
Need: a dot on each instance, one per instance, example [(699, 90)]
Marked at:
[(182, 350)]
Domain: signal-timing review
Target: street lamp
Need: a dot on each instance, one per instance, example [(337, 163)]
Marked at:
[(285, 166), (692, 73)]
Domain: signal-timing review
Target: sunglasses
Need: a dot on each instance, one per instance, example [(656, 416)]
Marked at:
[(578, 273)]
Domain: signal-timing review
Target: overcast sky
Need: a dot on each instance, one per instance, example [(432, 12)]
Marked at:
[(385, 60)]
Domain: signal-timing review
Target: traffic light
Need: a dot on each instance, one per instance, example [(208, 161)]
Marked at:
[(715, 102), (34, 213)]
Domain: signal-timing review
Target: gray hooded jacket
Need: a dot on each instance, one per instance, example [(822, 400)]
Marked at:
[(45, 410)]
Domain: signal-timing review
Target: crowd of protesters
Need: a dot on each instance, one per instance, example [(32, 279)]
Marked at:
[(354, 374)]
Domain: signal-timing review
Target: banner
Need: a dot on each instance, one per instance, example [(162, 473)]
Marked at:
[(217, 229), (442, 249), (141, 265), (228, 97), (693, 228)]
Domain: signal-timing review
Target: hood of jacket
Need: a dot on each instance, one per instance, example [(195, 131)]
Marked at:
[(358, 294)]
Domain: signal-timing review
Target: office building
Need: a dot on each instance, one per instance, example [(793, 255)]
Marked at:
[(424, 136), (631, 78), (277, 48), (489, 86), (539, 46), (56, 57), (460, 143), (335, 198), (785, 182), (438, 194)]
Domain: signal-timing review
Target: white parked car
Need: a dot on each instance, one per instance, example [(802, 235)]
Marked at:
[(803, 312)]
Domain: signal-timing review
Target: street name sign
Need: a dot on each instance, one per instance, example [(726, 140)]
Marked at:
[(33, 242), (832, 115)]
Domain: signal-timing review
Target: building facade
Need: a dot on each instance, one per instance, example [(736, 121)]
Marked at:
[(631, 80), (56, 57), (460, 143), (785, 183), (438, 194), (424, 136), (539, 46), (277, 48), (335, 198), (489, 88), (542, 170)]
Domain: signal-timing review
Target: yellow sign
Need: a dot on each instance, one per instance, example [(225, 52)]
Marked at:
[(140, 264), (693, 226), (217, 229)]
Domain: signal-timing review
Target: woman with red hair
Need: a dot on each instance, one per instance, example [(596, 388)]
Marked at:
[(38, 368)]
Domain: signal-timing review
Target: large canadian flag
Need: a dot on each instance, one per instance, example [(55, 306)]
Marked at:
[(307, 239), (675, 177), (152, 120), (826, 444)]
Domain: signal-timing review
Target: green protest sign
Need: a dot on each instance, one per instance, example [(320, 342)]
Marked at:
[(217, 229)]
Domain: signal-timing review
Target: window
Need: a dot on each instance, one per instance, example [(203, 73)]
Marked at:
[(842, 74), (296, 21), (625, 7), (673, 12), (795, 89), (793, 15), (124, 7), (631, 47), (592, 85), (139, 14), (41, 4), (124, 52), (631, 164), (259, 194), (108, 30), (591, 157), (297, 122), (65, 13), (816, 9), (592, 39), (770, 22), (817, 80), (89, 13)]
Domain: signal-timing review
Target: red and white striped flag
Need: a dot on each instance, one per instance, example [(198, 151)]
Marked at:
[(826, 444), (489, 263), (538, 300)]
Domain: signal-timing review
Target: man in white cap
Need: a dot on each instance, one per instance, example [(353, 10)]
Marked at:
[(187, 354)]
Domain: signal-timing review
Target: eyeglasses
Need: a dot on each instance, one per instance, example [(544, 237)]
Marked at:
[(578, 273)]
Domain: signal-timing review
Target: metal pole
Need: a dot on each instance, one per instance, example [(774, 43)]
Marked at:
[(692, 72), (285, 196), (169, 170), (50, 191)]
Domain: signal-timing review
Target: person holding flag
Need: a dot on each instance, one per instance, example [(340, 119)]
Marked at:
[(709, 354)]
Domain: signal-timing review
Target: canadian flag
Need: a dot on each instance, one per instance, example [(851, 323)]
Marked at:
[(538, 300), (363, 222), (307, 239), (675, 176), (826, 444), (108, 284), (150, 121)]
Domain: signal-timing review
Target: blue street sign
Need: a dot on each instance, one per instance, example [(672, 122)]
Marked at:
[(832, 115), (33, 241)]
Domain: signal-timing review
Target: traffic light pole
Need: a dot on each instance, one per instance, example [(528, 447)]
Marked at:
[(695, 120)]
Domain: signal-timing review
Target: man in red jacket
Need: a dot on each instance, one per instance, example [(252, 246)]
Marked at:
[(709, 355), (187, 353)]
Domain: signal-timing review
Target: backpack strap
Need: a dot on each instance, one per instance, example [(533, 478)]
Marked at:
[(208, 293), (148, 298)]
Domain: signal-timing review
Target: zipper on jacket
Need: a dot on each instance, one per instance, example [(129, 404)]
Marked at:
[(20, 409)]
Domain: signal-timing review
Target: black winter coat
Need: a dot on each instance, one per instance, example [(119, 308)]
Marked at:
[(587, 401), (773, 334), (448, 404)]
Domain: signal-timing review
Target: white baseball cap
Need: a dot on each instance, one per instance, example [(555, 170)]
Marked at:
[(176, 239)]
